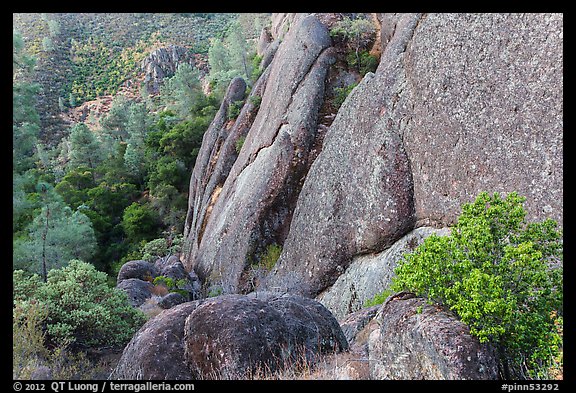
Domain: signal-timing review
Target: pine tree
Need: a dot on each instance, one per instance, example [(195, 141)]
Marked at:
[(55, 236), (84, 147)]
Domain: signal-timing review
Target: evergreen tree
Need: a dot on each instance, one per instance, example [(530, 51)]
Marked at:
[(239, 51), (137, 126), (84, 147), (182, 93), (55, 236)]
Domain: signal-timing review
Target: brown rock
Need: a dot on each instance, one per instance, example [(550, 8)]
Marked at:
[(233, 336), (157, 350), (416, 340)]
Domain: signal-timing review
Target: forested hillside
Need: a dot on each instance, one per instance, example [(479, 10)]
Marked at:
[(98, 184)]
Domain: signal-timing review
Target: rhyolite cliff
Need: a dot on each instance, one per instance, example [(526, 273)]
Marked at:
[(459, 104)]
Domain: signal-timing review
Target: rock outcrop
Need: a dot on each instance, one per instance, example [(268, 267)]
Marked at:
[(370, 274), (416, 340), (162, 63), (459, 104), (251, 204), (427, 132), (231, 337)]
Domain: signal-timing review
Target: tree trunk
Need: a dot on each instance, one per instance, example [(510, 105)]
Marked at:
[(44, 235)]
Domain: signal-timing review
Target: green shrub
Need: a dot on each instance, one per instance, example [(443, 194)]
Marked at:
[(363, 61), (234, 109), (340, 94), (31, 355), (379, 298), (81, 308), (172, 285), (270, 257), (239, 143), (501, 276), (256, 100), (140, 222)]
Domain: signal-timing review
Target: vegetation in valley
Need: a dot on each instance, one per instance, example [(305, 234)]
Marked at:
[(87, 197)]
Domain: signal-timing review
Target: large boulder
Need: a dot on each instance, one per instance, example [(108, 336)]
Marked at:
[(140, 269), (416, 340), (233, 336), (312, 329), (138, 291), (157, 350)]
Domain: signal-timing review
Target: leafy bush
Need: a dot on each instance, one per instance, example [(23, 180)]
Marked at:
[(172, 285), (32, 359), (270, 257), (340, 94), (234, 109), (140, 222), (501, 276), (363, 61), (239, 143), (81, 308), (379, 298)]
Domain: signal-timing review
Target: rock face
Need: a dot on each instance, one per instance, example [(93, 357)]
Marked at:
[(248, 207), (371, 274), (482, 111), (418, 341), (161, 63), (427, 132), (230, 337), (357, 197), (459, 104)]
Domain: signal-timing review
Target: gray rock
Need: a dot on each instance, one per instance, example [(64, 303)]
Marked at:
[(140, 269), (312, 329), (138, 291), (233, 336), (427, 132), (357, 197), (355, 322), (157, 350), (163, 262), (230, 223), (370, 274), (263, 41), (172, 299), (481, 111), (230, 337), (162, 63), (269, 53), (416, 340)]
